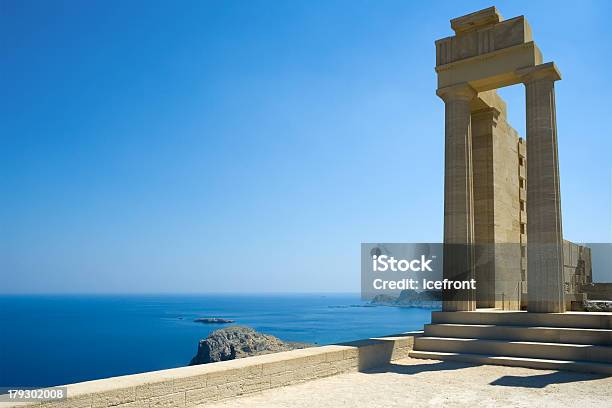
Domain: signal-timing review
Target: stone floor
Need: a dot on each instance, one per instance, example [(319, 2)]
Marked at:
[(414, 383)]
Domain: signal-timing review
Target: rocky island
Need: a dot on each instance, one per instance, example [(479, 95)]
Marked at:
[(238, 341), (213, 320)]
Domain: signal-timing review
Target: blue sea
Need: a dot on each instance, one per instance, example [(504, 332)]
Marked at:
[(51, 340)]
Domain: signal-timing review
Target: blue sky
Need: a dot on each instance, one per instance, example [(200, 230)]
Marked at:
[(246, 146)]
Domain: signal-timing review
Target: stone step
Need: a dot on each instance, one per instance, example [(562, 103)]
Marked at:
[(552, 351), (583, 320), (570, 335), (538, 363)]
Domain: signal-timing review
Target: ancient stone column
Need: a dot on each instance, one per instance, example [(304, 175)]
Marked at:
[(545, 288), (458, 196)]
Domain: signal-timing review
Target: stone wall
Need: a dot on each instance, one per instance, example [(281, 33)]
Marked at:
[(577, 273), (500, 216), (598, 291), (197, 385), (497, 204)]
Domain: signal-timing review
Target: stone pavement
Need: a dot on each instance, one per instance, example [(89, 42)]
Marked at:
[(414, 383)]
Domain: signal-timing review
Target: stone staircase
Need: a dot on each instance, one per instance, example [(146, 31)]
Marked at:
[(575, 341)]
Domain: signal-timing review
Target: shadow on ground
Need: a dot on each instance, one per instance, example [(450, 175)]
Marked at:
[(418, 368), (526, 381), (542, 380)]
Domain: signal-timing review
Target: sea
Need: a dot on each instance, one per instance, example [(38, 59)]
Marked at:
[(50, 340)]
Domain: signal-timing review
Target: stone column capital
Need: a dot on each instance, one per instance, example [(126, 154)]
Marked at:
[(548, 71), (491, 114), (462, 92)]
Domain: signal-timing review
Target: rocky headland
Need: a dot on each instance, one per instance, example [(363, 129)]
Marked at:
[(411, 298), (234, 342)]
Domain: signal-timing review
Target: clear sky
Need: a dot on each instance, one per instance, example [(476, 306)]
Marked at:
[(246, 146)]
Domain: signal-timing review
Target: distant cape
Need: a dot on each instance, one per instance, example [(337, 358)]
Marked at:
[(411, 298)]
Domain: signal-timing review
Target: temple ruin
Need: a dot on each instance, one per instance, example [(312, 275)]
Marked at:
[(502, 213), (489, 188)]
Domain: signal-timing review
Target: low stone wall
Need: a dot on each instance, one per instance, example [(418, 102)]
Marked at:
[(598, 291), (201, 384)]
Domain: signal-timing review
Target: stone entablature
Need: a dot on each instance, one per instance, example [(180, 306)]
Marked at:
[(477, 37), (486, 51)]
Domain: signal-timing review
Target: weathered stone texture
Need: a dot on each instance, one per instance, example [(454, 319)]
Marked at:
[(544, 229), (458, 194)]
